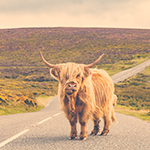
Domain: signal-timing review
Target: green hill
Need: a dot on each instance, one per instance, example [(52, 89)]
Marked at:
[(23, 76)]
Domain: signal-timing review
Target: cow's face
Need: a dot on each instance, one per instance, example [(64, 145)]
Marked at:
[(70, 76)]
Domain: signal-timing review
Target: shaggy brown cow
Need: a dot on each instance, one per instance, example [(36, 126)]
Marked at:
[(84, 93)]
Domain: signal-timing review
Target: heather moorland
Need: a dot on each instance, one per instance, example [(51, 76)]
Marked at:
[(23, 76)]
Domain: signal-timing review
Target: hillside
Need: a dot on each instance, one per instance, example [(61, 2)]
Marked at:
[(134, 91), (20, 47), (23, 76)]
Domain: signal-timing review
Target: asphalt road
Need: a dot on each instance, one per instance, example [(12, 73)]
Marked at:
[(130, 72), (48, 129)]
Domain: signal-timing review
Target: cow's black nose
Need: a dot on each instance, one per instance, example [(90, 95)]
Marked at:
[(72, 85), (71, 88)]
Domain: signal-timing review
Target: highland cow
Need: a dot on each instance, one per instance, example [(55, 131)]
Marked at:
[(84, 93)]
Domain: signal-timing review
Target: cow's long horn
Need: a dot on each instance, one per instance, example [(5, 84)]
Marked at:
[(48, 64), (94, 63)]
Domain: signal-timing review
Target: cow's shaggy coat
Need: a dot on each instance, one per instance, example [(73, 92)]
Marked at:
[(85, 93)]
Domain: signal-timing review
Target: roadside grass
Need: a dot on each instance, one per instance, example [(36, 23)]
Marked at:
[(142, 114), (18, 108), (133, 95), (30, 88), (122, 64), (19, 96)]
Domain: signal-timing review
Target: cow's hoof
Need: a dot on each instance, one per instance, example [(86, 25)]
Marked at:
[(83, 136), (104, 133), (94, 132), (73, 138), (73, 135), (83, 139)]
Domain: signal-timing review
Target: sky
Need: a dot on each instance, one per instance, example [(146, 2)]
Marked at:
[(75, 13)]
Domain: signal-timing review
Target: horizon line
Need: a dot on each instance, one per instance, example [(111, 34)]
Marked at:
[(29, 27)]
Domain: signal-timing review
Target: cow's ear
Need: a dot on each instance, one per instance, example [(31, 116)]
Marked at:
[(87, 72), (55, 73)]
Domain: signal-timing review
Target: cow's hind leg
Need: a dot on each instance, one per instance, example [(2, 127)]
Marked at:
[(107, 122), (96, 126)]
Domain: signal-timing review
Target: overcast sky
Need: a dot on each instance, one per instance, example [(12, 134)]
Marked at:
[(75, 13)]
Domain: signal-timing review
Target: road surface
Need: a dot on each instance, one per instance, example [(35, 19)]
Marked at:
[(130, 72), (48, 129)]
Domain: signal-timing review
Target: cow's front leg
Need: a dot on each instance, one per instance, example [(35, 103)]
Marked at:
[(83, 122), (73, 122)]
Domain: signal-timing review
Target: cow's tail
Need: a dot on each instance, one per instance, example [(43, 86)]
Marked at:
[(113, 118)]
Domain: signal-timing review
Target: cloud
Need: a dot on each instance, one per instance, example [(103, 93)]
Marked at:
[(85, 13), (78, 6)]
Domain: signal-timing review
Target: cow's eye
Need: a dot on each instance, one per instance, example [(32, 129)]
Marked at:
[(67, 78), (78, 75)]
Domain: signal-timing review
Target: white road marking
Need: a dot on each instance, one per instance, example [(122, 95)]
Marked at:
[(48, 118), (13, 138), (44, 120), (23, 132), (56, 114)]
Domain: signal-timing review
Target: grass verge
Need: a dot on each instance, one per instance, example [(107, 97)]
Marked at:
[(142, 114), (19, 108), (133, 95)]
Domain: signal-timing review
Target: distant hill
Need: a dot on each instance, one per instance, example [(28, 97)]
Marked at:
[(20, 47)]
